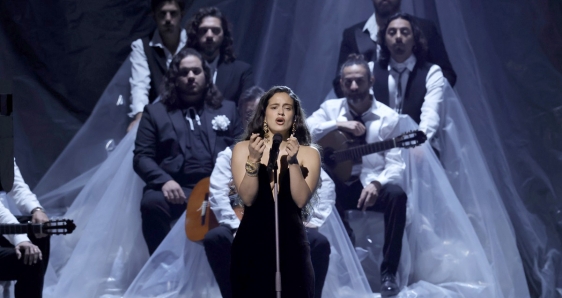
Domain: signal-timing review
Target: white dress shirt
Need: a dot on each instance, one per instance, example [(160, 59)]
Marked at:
[(140, 72), (220, 201), (434, 83), (380, 121), (24, 199), (372, 27)]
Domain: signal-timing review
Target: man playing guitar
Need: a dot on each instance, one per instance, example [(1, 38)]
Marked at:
[(375, 177)]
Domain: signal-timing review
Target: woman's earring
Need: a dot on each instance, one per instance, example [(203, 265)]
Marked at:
[(265, 130), (294, 128)]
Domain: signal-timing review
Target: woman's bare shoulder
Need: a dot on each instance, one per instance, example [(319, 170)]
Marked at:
[(309, 151), (241, 147)]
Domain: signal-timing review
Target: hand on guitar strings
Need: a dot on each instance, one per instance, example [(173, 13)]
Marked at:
[(292, 149), (354, 127), (256, 148), (369, 195), (32, 253), (173, 192)]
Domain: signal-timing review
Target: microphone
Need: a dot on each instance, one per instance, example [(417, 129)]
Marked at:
[(274, 152)]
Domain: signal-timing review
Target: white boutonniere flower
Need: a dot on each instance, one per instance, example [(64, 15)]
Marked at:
[(220, 122)]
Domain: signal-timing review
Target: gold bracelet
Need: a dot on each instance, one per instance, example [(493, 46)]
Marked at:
[(252, 168), (252, 174)]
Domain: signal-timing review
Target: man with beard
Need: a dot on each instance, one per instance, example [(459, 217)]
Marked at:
[(178, 140), (361, 38), (375, 178), (152, 54), (406, 82), (211, 34)]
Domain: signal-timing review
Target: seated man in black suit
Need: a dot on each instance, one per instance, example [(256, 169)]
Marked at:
[(210, 33), (361, 39), (178, 140)]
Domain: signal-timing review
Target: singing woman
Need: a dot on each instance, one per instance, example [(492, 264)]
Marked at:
[(253, 265)]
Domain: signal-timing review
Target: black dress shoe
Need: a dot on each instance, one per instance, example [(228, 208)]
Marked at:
[(389, 287)]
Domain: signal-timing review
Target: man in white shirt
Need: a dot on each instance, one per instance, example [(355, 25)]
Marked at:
[(151, 55), (406, 82), (218, 241), (375, 179), (20, 258), (361, 39)]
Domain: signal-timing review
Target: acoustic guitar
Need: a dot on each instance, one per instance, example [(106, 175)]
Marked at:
[(199, 218), (339, 150), (52, 227)]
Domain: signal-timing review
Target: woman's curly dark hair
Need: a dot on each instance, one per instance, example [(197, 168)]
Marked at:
[(227, 46), (256, 123), (169, 96), (420, 44)]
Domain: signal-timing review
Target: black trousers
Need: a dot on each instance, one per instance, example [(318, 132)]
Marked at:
[(218, 243), (29, 278), (392, 202), (157, 215)]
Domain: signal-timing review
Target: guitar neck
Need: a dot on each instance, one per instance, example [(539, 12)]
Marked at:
[(18, 228), (362, 150)]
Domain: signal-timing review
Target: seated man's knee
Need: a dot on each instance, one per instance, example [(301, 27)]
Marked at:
[(152, 201), (217, 236), (397, 194)]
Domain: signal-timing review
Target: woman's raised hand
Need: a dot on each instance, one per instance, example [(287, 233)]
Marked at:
[(256, 147), (292, 149)]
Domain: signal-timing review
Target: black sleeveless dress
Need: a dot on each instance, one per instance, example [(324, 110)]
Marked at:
[(253, 264)]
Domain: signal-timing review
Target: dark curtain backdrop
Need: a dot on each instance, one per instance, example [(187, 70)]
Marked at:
[(508, 56)]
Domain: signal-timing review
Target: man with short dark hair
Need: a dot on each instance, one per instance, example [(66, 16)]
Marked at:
[(178, 140), (375, 179), (210, 33), (152, 54), (361, 39)]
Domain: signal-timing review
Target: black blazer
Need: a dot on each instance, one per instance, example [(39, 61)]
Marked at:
[(355, 41), (162, 140), (233, 79)]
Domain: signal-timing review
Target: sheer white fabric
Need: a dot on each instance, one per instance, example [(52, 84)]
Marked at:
[(472, 181), (511, 93), (108, 242), (107, 250), (179, 268), (491, 87), (103, 130)]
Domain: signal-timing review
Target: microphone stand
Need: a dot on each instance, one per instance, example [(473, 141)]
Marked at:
[(277, 261)]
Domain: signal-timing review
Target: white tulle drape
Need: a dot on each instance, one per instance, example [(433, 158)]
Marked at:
[(443, 253), (460, 239)]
